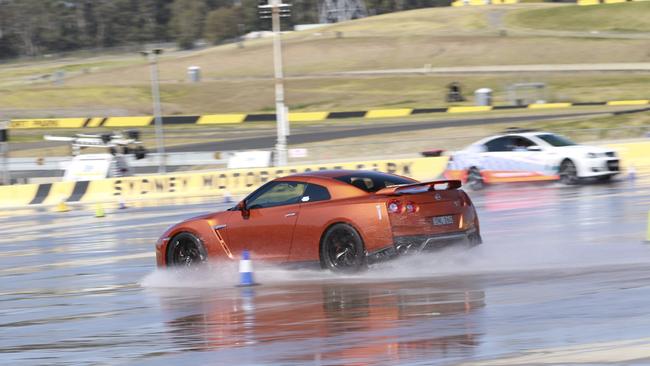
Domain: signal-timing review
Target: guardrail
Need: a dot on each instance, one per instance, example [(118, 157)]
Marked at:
[(172, 159), (213, 183), (483, 2), (598, 2)]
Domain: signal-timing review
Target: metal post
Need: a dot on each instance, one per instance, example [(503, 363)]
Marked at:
[(4, 152), (157, 110), (280, 115)]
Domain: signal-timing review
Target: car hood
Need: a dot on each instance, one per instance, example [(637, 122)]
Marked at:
[(214, 216), (584, 149)]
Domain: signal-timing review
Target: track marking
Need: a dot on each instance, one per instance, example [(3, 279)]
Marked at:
[(81, 262), (89, 220)]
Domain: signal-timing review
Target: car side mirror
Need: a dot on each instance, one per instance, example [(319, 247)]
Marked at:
[(245, 212), (534, 148)]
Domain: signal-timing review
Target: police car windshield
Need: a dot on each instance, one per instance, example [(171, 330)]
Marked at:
[(556, 140)]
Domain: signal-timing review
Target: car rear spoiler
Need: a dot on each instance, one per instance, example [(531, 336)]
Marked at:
[(436, 185)]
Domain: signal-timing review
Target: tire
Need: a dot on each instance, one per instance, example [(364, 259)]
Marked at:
[(474, 179), (568, 172), (186, 250), (342, 249), (475, 239)]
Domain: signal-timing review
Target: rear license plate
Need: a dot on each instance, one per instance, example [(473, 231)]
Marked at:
[(443, 220)]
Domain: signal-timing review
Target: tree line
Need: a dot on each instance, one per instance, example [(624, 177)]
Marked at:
[(37, 27)]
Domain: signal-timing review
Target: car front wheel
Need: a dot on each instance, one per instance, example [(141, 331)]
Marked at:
[(185, 250), (342, 249)]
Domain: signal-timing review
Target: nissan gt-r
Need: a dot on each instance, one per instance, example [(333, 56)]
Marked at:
[(338, 219)]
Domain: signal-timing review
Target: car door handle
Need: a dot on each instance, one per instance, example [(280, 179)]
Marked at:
[(290, 214), (219, 227)]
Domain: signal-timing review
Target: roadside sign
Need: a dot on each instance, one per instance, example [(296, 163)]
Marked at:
[(298, 153)]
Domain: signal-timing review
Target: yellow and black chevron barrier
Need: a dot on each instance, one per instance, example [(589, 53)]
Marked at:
[(235, 118), (598, 2), (187, 184), (483, 2)]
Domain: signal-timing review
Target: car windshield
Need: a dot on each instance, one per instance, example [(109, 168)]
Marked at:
[(556, 140), (373, 181)]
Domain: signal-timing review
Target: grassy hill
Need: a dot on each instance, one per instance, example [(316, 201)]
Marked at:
[(240, 79), (621, 17)]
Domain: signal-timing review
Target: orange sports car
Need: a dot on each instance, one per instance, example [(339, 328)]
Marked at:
[(341, 220)]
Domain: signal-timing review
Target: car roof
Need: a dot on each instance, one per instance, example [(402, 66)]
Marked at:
[(330, 176), (523, 133), (338, 189), (514, 133), (536, 133), (330, 173)]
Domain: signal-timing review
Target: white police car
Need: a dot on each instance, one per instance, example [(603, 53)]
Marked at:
[(526, 155)]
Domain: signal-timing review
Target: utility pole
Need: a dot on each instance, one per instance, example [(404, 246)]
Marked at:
[(157, 110), (4, 152), (275, 9)]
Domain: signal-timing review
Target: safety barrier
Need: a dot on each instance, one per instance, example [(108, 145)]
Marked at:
[(213, 183), (236, 118), (598, 2), (222, 183), (483, 2)]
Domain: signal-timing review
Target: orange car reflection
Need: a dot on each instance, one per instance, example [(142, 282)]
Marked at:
[(339, 219), (388, 321)]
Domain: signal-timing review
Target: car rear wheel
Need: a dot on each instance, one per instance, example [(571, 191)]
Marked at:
[(186, 250), (568, 172), (475, 179), (342, 249), (475, 239)]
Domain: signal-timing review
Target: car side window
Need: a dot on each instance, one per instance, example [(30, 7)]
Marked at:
[(277, 194), (316, 193), (499, 144), (519, 143)]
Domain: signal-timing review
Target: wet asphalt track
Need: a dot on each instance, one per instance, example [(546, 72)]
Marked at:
[(563, 277)]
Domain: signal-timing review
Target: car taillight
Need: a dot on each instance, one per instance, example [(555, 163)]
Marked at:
[(411, 207), (466, 200), (395, 206)]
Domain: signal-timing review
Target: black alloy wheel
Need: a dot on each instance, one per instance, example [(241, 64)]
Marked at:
[(185, 250), (342, 249), (475, 239)]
